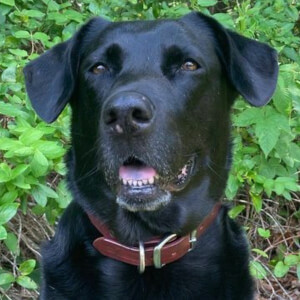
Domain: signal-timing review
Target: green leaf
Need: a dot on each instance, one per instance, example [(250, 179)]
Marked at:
[(298, 271), (279, 188), (10, 110), (268, 186), (257, 202), (7, 211), (26, 282), (235, 211), (8, 2), (224, 19), (21, 152), (8, 144), (27, 266), (39, 196), (260, 252), (257, 270), (288, 183), (22, 34), (268, 134), (41, 36), (59, 18), (18, 52), (39, 164), (10, 196), (51, 150), (31, 135), (281, 269), (264, 233), (64, 196), (18, 170), (291, 260), (9, 75), (49, 192), (268, 129), (3, 233), (282, 98), (73, 15), (6, 278), (5, 173), (32, 13), (20, 182), (248, 117), (232, 187), (52, 5), (11, 243), (206, 3)]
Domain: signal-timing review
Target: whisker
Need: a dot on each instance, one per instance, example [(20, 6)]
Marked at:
[(88, 174)]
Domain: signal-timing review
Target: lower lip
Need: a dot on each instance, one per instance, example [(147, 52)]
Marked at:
[(145, 198)]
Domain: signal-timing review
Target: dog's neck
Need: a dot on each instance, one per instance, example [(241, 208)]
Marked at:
[(155, 252)]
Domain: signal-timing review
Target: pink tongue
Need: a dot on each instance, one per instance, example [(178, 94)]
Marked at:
[(136, 172)]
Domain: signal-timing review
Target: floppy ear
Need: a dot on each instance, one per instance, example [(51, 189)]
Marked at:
[(251, 66), (50, 79)]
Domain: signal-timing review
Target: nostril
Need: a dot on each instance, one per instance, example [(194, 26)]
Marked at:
[(110, 117), (141, 115)]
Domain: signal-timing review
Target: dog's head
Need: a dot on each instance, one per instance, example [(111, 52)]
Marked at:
[(150, 107)]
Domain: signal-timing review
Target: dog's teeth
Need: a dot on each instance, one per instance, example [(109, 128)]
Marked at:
[(140, 182)]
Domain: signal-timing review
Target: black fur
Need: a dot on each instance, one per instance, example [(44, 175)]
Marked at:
[(187, 116)]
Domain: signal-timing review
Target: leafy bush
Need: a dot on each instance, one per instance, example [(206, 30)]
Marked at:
[(263, 180)]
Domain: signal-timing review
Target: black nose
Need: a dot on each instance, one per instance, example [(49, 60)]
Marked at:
[(128, 112)]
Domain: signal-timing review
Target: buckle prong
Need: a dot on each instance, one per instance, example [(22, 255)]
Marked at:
[(157, 251)]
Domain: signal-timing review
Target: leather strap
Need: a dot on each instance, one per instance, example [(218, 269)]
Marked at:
[(156, 252)]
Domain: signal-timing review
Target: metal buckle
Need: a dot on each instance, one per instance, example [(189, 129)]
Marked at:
[(193, 239), (157, 250), (142, 265)]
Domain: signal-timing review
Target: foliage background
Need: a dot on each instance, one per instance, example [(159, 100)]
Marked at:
[(263, 184)]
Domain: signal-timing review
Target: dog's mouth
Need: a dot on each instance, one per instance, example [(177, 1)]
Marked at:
[(142, 188)]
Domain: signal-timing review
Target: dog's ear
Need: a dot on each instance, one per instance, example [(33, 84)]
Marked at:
[(50, 79), (251, 66)]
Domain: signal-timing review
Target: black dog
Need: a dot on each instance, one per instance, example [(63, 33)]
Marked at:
[(150, 157)]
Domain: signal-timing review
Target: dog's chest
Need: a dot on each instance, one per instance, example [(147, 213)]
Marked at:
[(180, 280)]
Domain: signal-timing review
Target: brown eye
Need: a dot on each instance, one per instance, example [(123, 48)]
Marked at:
[(99, 69), (190, 66)]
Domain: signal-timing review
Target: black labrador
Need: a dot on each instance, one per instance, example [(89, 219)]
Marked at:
[(150, 157)]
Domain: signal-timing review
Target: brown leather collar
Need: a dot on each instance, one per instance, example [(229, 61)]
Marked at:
[(156, 252)]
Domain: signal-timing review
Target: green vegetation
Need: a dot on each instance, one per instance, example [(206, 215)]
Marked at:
[(263, 183)]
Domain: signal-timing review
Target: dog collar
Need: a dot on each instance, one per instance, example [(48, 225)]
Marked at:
[(156, 252)]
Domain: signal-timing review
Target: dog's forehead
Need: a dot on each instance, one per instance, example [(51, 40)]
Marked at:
[(151, 36), (161, 30)]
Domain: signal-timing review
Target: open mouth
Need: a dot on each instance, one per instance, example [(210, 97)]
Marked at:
[(142, 188)]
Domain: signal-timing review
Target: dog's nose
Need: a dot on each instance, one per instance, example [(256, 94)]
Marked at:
[(128, 112)]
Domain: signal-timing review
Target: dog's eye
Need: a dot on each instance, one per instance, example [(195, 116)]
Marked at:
[(189, 65), (99, 69)]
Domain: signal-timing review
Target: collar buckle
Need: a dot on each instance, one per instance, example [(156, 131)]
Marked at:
[(193, 239), (157, 250), (142, 264)]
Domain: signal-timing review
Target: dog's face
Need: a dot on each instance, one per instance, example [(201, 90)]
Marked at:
[(150, 107), (157, 93)]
